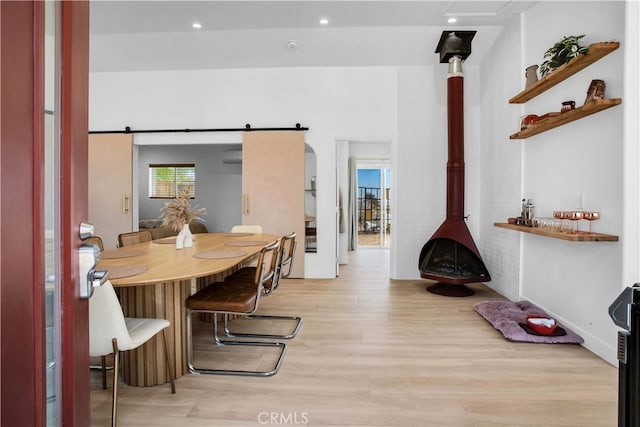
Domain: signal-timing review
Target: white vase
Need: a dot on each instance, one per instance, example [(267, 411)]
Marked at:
[(184, 239)]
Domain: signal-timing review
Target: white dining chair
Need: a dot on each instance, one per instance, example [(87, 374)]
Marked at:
[(248, 228), (255, 229), (110, 332)]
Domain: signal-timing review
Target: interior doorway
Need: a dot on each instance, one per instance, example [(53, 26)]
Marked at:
[(374, 204)]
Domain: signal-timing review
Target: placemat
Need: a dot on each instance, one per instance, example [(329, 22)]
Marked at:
[(237, 234), (124, 253), (247, 243), (219, 254), (118, 272)]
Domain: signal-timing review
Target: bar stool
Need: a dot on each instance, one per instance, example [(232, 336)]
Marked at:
[(235, 297)]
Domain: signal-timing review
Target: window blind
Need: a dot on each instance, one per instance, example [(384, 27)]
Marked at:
[(166, 181)]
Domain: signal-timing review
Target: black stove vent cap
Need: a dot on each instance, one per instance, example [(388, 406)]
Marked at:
[(454, 43)]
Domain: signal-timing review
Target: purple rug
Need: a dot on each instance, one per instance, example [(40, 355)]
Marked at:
[(506, 316)]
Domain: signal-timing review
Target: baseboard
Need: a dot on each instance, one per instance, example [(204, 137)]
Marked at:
[(591, 342)]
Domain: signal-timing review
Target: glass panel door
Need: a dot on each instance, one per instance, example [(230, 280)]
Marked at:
[(374, 206), (50, 216)]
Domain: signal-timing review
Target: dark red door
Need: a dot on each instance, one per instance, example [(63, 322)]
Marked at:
[(43, 197)]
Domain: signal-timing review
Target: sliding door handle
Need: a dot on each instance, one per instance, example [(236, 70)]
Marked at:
[(245, 204)]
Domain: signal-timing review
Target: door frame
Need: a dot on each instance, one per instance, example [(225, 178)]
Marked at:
[(74, 136), (22, 302), (22, 367)]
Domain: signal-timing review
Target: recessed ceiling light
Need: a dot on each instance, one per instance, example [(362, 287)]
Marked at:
[(196, 25), (452, 20), (324, 21)]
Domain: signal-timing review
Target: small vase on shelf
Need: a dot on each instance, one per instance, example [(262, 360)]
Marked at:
[(531, 73), (184, 239)]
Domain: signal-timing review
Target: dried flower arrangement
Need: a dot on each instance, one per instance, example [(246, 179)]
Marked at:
[(178, 212)]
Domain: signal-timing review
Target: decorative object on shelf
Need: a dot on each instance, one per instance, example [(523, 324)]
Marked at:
[(562, 52), (531, 73), (526, 213), (177, 214), (595, 91), (527, 121), (568, 106), (590, 216), (575, 217)]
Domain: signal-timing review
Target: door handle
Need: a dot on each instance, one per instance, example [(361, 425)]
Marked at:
[(86, 230), (88, 257), (245, 207)]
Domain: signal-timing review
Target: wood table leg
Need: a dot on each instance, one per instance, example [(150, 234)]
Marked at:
[(146, 366)]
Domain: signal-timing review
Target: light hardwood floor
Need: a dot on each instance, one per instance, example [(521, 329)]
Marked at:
[(379, 352)]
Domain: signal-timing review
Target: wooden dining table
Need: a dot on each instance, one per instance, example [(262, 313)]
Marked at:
[(153, 279)]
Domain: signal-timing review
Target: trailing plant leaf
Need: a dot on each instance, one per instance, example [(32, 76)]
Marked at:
[(562, 52)]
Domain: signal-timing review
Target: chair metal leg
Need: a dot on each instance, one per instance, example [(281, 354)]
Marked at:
[(220, 342), (296, 329), (114, 397), (170, 370)]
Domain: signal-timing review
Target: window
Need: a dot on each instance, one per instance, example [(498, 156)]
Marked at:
[(166, 181)]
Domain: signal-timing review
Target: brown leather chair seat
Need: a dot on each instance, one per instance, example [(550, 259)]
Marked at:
[(225, 297)]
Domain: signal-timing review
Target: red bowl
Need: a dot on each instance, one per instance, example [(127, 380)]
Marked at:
[(541, 328)]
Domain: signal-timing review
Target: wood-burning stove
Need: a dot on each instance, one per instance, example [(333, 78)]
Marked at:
[(450, 256)]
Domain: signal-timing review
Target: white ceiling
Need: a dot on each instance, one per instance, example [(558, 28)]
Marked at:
[(157, 35)]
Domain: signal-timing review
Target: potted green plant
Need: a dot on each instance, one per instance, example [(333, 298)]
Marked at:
[(561, 52)]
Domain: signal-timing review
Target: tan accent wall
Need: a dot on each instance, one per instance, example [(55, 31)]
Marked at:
[(110, 185), (273, 185)]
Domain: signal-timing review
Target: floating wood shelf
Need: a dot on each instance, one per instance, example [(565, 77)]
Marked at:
[(581, 236), (596, 51), (566, 117)]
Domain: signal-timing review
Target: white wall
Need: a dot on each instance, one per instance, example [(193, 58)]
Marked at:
[(501, 76), (419, 152), (332, 102), (574, 282)]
